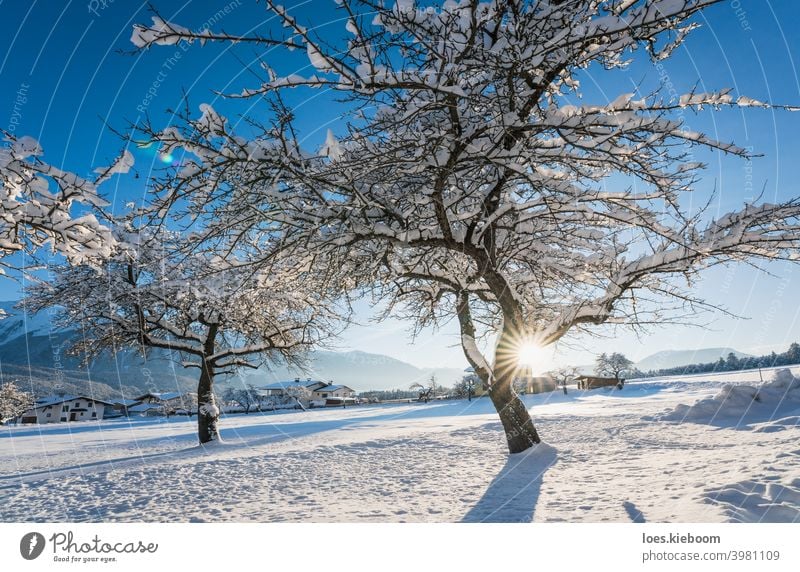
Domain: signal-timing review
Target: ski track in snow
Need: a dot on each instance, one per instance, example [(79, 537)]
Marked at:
[(608, 459)]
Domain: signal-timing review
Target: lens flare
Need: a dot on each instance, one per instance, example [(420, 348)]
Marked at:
[(531, 354)]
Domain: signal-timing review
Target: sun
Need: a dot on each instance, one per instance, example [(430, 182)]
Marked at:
[(532, 355)]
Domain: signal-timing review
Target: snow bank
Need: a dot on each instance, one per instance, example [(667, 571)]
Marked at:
[(753, 501), (742, 404)]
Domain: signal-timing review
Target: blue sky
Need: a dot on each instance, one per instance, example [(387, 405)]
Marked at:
[(68, 74)]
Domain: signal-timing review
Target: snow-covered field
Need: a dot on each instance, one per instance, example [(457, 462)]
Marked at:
[(643, 454)]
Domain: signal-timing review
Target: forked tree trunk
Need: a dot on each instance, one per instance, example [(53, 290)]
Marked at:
[(207, 410), (517, 423)]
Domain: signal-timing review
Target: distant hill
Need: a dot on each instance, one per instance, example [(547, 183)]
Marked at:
[(360, 370), (676, 358), (32, 351)]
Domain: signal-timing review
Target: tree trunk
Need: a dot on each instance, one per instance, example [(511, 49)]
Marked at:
[(517, 423), (207, 410)]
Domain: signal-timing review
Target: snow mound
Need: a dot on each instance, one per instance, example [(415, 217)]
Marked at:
[(753, 501), (742, 404)]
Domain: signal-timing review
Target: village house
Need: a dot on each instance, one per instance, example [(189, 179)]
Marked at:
[(533, 384), (309, 392), (330, 395), (171, 403), (66, 408), (122, 406), (302, 389), (540, 384), (593, 382), (331, 390)]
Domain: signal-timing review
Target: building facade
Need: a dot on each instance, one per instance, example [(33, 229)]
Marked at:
[(66, 408)]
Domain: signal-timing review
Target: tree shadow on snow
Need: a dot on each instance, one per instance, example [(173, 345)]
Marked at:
[(633, 512), (514, 492)]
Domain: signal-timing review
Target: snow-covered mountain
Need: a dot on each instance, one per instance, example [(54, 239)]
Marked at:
[(36, 353), (31, 349), (364, 371)]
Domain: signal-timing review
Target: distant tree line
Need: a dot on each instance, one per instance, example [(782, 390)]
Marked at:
[(431, 389), (731, 363), (388, 394)]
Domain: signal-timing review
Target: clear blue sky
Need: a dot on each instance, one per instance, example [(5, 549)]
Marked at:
[(65, 75)]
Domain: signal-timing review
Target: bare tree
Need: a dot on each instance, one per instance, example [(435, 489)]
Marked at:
[(13, 401), (472, 181), (615, 364), (247, 397), (466, 387), (426, 391), (216, 318), (564, 376)]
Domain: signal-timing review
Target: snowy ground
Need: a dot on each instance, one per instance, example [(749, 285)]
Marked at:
[(612, 456)]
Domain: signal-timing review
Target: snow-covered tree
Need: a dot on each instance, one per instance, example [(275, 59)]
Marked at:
[(43, 205), (13, 401), (466, 386), (217, 318), (473, 179), (426, 391), (615, 364), (563, 376), (246, 396)]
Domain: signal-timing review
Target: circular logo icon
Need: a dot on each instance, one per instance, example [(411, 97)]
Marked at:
[(31, 545)]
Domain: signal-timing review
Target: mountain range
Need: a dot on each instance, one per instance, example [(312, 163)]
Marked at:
[(36, 353)]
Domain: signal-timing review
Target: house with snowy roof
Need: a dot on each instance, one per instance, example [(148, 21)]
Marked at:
[(66, 408), (296, 388), (122, 406), (308, 392), (167, 403), (594, 382), (332, 390), (333, 395)]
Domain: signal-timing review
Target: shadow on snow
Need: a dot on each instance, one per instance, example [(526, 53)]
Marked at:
[(513, 493)]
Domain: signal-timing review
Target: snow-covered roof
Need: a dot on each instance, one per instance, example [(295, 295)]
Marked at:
[(159, 396), (334, 388), (56, 399), (52, 399), (292, 383), (143, 407)]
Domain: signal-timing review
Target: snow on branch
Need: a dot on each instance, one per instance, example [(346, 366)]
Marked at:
[(149, 295), (43, 205), (473, 180), (164, 33)]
